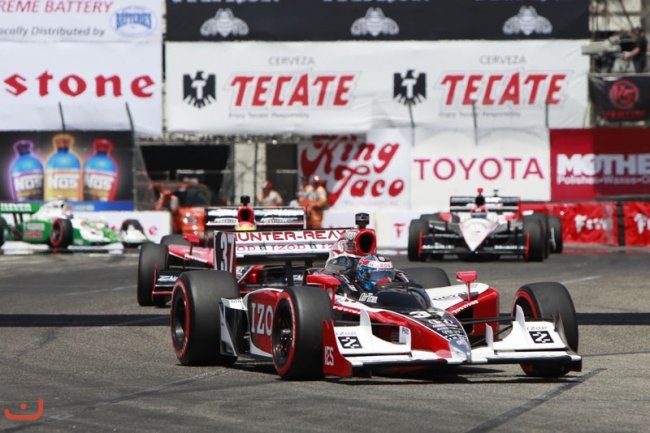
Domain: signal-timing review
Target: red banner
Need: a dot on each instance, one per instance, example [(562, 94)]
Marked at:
[(590, 163), (583, 223), (636, 220)]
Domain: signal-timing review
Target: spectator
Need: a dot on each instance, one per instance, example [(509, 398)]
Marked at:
[(317, 202), (167, 201), (638, 53), (268, 196)]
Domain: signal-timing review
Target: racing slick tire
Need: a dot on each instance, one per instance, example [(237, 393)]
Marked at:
[(136, 225), (297, 332), (546, 230), (549, 300), (60, 234), (174, 239), (152, 257), (3, 225), (429, 277), (533, 240), (417, 229), (555, 224), (195, 316)]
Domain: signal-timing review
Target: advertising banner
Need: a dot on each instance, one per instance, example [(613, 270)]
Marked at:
[(345, 87), (330, 20), (636, 217), (81, 21), (79, 86), (619, 97), (590, 163), (590, 223), (446, 163), (90, 167), (361, 172)]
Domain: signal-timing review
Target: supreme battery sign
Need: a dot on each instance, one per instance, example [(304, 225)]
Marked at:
[(330, 20), (345, 87)]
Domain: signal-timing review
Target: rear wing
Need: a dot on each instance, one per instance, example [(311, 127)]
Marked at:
[(265, 218), (278, 246), (19, 208), (497, 204)]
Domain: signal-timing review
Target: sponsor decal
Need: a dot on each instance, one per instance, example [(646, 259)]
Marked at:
[(134, 21), (328, 356), (374, 23), (350, 342), (541, 337), (607, 169), (527, 22), (224, 24), (584, 222), (199, 90)]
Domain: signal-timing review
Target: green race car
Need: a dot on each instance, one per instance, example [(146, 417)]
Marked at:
[(52, 223)]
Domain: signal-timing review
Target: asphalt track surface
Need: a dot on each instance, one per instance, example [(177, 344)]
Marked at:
[(73, 336)]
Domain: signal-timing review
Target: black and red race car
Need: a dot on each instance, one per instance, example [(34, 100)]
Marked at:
[(160, 264), (484, 227), (322, 326)]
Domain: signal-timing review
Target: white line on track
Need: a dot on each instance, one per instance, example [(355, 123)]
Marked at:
[(580, 280)]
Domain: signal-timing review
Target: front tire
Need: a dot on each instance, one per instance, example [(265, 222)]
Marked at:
[(549, 300), (297, 332), (153, 258), (557, 244), (60, 233), (195, 316), (417, 229)]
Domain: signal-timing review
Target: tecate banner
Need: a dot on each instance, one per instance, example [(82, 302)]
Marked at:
[(330, 20), (80, 86), (352, 87), (446, 163), (81, 20)]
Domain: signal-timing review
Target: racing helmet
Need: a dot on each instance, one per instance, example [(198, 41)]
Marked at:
[(373, 270)]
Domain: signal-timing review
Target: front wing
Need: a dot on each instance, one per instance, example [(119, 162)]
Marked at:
[(350, 348)]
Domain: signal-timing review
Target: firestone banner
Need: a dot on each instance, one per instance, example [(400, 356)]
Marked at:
[(591, 163), (81, 87), (360, 172), (330, 20), (345, 87), (81, 21), (508, 162)]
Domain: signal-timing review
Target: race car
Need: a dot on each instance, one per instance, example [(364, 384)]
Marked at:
[(320, 328), (160, 264), (54, 224), (484, 227)]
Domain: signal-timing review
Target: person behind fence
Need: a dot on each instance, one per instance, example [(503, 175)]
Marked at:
[(316, 202), (638, 54), (269, 196)]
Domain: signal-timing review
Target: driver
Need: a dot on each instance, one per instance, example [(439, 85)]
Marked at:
[(374, 270)]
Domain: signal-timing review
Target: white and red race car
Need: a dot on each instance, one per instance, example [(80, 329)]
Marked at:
[(322, 328)]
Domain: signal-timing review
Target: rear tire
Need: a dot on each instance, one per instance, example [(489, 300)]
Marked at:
[(297, 332), (546, 230), (153, 258), (417, 229), (557, 244), (3, 226), (60, 234), (533, 240), (548, 300), (428, 277), (195, 316)]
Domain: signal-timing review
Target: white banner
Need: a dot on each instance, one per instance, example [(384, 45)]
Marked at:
[(361, 172), (446, 163), (81, 20), (93, 85), (346, 87)]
